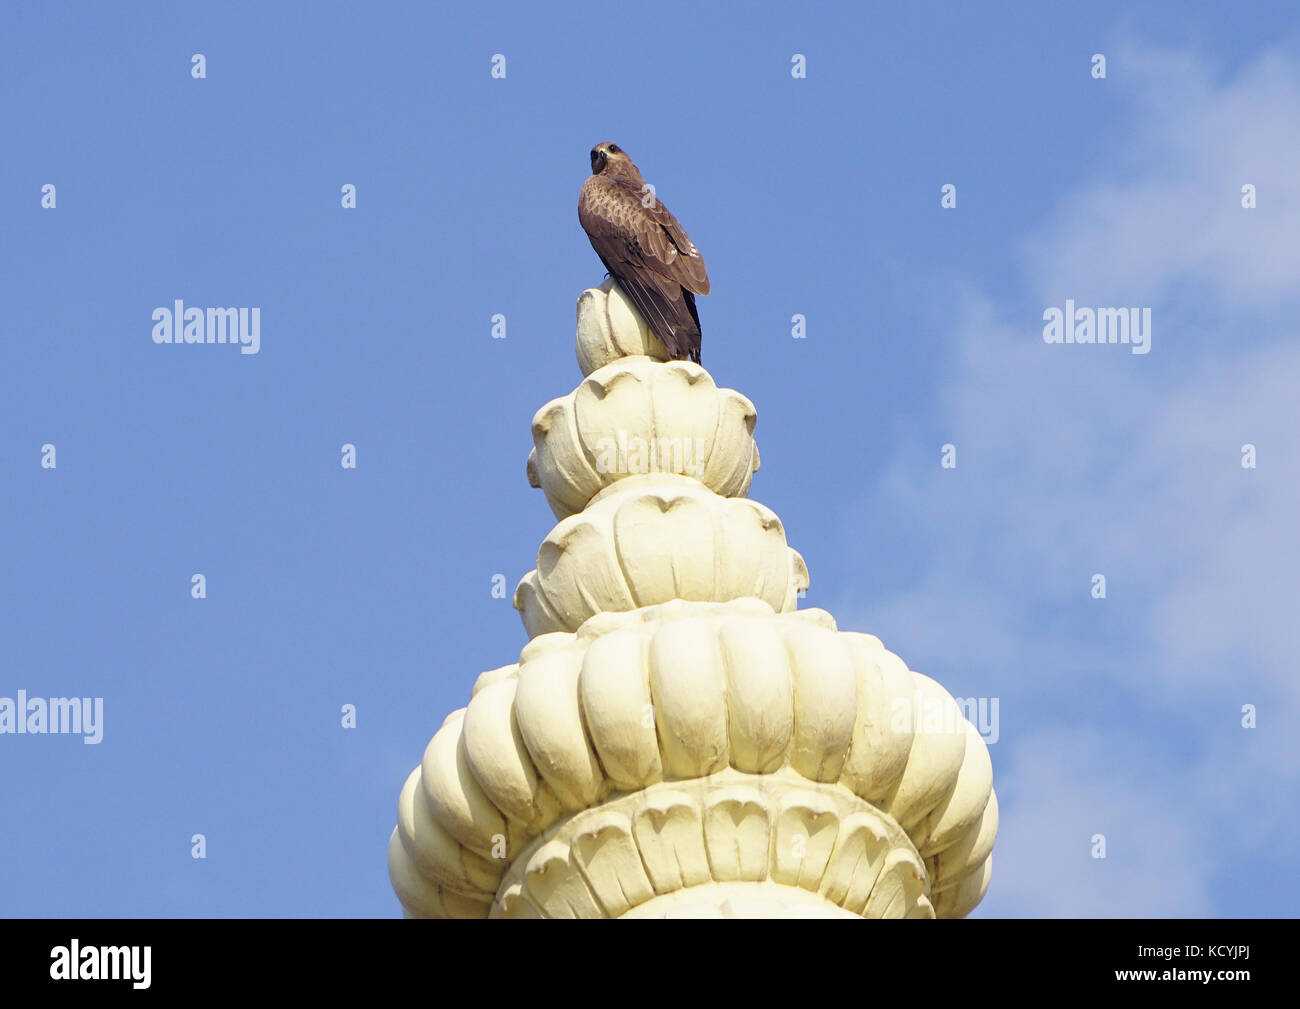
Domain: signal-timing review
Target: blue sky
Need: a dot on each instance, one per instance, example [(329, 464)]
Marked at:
[(818, 196)]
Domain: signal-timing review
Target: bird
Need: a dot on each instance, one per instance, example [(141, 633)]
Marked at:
[(646, 251)]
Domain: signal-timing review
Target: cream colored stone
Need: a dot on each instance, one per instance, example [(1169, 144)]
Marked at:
[(495, 676), (952, 819), (436, 854), (898, 888), (555, 886), (635, 417), (610, 328), (677, 739), (684, 841), (861, 845), (420, 896), (551, 726), (935, 757), (882, 741), (825, 701), (605, 853), (960, 898), (619, 710), (740, 900), (669, 832), (737, 832), (734, 699), (807, 825), (637, 544), (497, 757), (454, 797), (968, 853), (690, 699), (760, 694)]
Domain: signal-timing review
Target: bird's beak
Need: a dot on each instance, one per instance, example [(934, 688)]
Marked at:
[(598, 159)]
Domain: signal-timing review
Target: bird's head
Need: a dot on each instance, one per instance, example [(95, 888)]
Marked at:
[(612, 160)]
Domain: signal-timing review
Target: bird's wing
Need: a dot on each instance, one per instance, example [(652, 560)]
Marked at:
[(686, 260), (623, 228)]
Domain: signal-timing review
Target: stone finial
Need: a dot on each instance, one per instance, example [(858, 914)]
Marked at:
[(678, 738)]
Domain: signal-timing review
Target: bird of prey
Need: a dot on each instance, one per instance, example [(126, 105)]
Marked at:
[(651, 258)]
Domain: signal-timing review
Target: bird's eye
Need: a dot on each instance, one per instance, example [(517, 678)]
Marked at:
[(613, 149)]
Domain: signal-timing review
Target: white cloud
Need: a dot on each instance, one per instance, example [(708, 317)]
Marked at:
[(1168, 210), (1082, 459), (1078, 786)]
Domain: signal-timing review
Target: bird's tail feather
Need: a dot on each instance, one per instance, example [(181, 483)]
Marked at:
[(676, 323)]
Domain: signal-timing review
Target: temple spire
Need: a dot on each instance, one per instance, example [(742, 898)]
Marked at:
[(678, 738)]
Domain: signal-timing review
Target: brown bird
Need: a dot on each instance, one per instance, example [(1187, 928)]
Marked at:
[(649, 255)]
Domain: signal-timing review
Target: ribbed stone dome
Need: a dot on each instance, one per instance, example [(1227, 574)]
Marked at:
[(678, 739)]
